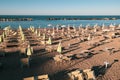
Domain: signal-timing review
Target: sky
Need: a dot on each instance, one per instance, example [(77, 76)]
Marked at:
[(59, 7)]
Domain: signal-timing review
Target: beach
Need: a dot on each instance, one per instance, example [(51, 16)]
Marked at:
[(86, 47), (59, 40)]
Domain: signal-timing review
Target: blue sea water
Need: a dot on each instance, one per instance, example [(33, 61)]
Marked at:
[(42, 22)]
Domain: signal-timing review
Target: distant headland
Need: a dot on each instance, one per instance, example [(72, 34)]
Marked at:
[(32, 18), (16, 19), (81, 19)]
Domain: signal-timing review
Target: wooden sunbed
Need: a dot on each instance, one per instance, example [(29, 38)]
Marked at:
[(29, 78), (43, 77), (89, 74)]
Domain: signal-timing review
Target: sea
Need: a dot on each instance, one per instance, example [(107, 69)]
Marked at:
[(41, 21)]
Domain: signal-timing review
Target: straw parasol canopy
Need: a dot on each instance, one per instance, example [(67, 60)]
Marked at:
[(20, 28), (87, 27), (95, 30), (4, 35), (45, 29), (103, 26), (95, 26), (119, 25), (82, 31), (53, 33), (39, 33), (68, 28), (63, 29), (32, 28), (23, 37), (112, 27), (44, 36), (74, 28), (80, 27), (89, 37), (53, 28), (59, 48), (1, 39), (29, 50), (49, 41), (57, 27), (36, 32)]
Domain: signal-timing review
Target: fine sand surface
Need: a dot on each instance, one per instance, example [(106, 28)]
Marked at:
[(42, 62)]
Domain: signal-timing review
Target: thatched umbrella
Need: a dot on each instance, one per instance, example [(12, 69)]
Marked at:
[(49, 31), (36, 32), (39, 33), (4, 35), (119, 25), (23, 37), (53, 33), (68, 28), (59, 48), (112, 27), (29, 51), (1, 39), (89, 37), (44, 36), (32, 28), (95, 26), (57, 28), (45, 29), (87, 26), (82, 31), (74, 29), (80, 27), (103, 26), (53, 28), (49, 41), (95, 30), (20, 28)]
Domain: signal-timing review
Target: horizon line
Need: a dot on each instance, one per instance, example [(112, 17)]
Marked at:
[(53, 15)]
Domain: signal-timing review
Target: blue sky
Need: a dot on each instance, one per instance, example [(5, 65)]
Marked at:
[(59, 7)]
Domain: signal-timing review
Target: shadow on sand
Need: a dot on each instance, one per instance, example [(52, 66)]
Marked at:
[(101, 69)]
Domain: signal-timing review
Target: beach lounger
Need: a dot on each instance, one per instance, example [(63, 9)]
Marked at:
[(87, 70), (66, 58), (57, 58), (29, 78), (43, 77), (80, 76), (3, 45), (75, 72), (71, 77), (43, 42), (78, 56), (76, 75), (61, 58), (23, 50), (49, 48), (89, 75)]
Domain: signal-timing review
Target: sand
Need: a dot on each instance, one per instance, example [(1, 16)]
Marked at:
[(42, 61)]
